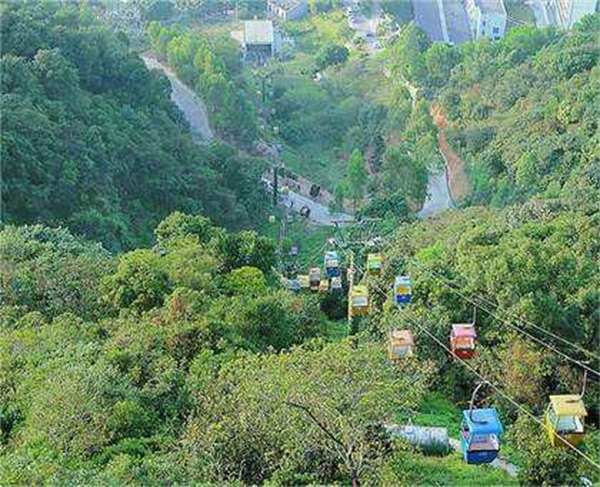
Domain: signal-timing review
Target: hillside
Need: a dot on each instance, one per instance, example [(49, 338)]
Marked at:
[(150, 330), (521, 112), (91, 140)]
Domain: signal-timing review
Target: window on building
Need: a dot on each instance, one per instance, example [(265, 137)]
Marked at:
[(496, 30)]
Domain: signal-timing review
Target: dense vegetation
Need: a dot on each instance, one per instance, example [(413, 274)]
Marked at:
[(531, 131), (198, 66), (183, 361), (174, 365), (91, 140)]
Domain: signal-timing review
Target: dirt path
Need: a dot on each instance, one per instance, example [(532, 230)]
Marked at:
[(455, 166)]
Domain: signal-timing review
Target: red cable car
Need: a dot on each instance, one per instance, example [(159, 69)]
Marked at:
[(462, 340)]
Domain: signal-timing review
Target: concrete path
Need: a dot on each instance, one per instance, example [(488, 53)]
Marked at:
[(195, 113), (498, 463), (188, 102)]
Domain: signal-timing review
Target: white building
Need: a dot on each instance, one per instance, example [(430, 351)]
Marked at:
[(260, 40), (487, 18), (566, 13), (288, 9)]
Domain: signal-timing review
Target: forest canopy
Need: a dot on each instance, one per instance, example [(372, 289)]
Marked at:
[(91, 140)]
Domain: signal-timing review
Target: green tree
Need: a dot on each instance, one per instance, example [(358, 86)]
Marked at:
[(139, 284), (331, 55), (356, 177)]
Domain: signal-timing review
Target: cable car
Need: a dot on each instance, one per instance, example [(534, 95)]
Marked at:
[(324, 286), (336, 283), (462, 340), (375, 264), (304, 282), (294, 250), (314, 278), (400, 345), (359, 301), (480, 435), (565, 417), (332, 263), (402, 290)]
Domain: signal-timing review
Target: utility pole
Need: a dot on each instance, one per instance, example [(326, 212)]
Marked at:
[(350, 287)]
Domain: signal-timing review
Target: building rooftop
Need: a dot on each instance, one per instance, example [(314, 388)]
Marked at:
[(491, 6), (258, 32)]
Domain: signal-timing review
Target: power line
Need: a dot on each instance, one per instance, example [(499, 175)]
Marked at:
[(499, 391), (541, 329), (519, 330)]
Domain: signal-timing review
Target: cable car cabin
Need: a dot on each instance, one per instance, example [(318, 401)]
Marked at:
[(375, 264), (324, 286), (336, 283), (314, 278), (400, 345), (294, 250), (565, 417), (304, 282), (293, 285), (480, 435), (402, 290), (462, 340), (359, 301), (332, 263)]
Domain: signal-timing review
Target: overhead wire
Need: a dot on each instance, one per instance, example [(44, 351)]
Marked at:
[(517, 328), (499, 391), (539, 328)]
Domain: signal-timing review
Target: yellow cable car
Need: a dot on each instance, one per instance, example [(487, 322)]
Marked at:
[(565, 417), (375, 264), (314, 278), (359, 301), (303, 281), (324, 286), (400, 345)]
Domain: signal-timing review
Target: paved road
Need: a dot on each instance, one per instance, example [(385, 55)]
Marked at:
[(367, 27), (192, 107), (438, 196), (195, 113), (319, 213)]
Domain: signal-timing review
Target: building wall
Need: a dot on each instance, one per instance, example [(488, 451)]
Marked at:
[(569, 12), (295, 12), (579, 9), (491, 25)]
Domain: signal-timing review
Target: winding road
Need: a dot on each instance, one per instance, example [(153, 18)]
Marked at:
[(195, 113), (188, 102)]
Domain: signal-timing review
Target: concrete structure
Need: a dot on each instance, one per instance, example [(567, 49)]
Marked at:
[(259, 40), (288, 9), (442, 20), (487, 18), (566, 13)]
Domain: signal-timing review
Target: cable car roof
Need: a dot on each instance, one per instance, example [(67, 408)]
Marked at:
[(402, 280), (568, 405), (484, 421), (464, 330), (403, 336)]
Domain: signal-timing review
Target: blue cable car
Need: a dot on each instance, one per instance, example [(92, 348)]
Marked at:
[(480, 435), (402, 290), (332, 263)]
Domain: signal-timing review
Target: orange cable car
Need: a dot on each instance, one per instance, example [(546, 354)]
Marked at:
[(400, 345), (462, 340)]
